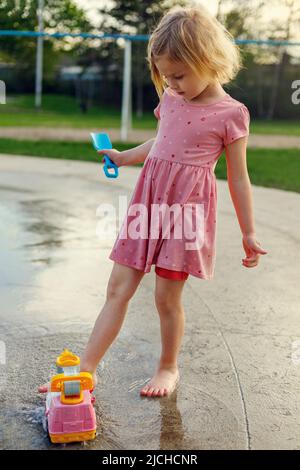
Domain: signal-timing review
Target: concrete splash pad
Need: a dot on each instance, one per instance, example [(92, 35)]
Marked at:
[(239, 384)]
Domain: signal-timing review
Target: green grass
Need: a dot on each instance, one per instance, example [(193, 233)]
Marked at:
[(52, 149), (63, 111), (272, 168), (289, 127)]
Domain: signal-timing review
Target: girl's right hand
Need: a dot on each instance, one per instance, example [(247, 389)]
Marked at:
[(114, 155)]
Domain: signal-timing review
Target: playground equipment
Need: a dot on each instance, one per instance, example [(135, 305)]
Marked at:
[(102, 141), (69, 413)]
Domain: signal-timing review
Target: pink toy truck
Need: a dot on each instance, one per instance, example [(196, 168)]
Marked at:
[(70, 414)]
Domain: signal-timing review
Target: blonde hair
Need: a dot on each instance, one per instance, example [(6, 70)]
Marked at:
[(192, 36)]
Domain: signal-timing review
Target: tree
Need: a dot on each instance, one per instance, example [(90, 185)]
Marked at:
[(59, 15), (284, 32), (262, 25), (136, 17)]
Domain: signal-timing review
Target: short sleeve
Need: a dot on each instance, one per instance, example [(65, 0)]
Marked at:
[(156, 111), (237, 125)]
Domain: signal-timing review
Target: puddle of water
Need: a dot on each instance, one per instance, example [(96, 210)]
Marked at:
[(49, 306)]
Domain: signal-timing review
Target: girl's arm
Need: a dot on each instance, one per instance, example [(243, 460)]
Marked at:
[(130, 156), (140, 153), (241, 195), (137, 154), (239, 184)]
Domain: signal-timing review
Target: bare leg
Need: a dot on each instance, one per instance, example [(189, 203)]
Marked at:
[(122, 285), (168, 302)]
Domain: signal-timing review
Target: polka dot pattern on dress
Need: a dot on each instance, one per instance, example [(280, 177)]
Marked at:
[(180, 169)]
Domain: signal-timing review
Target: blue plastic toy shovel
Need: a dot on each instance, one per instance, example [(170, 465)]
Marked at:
[(102, 141)]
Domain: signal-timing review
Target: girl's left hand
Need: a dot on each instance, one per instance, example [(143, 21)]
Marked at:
[(253, 250)]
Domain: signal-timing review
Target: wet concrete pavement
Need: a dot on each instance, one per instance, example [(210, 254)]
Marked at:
[(239, 388)]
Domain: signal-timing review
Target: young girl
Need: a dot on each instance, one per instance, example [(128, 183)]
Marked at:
[(190, 55)]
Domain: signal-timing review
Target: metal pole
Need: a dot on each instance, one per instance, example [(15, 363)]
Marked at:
[(39, 57), (126, 97)]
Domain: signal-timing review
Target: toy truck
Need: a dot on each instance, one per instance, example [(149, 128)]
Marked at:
[(69, 413)]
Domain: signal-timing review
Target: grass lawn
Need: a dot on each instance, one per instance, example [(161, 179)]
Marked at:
[(273, 168), (63, 111)]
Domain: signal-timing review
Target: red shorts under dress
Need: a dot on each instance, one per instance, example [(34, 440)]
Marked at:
[(169, 274)]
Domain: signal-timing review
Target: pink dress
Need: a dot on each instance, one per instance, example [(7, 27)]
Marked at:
[(179, 171)]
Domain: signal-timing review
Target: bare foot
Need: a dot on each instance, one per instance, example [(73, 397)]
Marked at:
[(46, 387), (162, 383), (95, 381)]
